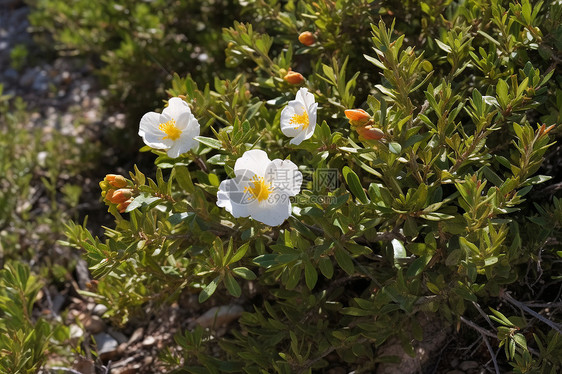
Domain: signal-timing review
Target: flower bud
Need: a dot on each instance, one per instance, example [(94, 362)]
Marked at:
[(369, 132), (115, 180), (120, 196), (294, 78), (357, 117), (307, 38), (123, 206), (108, 194)]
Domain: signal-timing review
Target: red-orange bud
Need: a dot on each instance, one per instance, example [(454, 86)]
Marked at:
[(293, 77), (119, 196), (123, 206), (307, 38), (115, 180), (370, 132), (357, 116)]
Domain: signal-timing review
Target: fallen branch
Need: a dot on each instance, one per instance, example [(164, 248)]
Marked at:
[(484, 333), (507, 297)]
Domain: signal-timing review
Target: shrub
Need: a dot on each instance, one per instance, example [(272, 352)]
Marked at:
[(137, 44), (418, 206)]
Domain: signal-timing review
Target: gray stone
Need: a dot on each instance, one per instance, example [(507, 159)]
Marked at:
[(41, 82), (11, 75), (467, 365), (106, 344)]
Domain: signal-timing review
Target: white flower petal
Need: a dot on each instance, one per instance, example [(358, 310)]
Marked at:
[(150, 133), (303, 103), (176, 107), (293, 108), (284, 177), (177, 149), (273, 211), (232, 197), (192, 128), (299, 138), (252, 162), (305, 97)]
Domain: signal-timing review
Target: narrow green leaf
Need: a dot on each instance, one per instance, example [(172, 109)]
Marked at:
[(232, 285), (354, 184), (310, 275), (209, 289)]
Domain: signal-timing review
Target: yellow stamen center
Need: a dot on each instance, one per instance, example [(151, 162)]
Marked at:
[(258, 188), (300, 120), (172, 132)]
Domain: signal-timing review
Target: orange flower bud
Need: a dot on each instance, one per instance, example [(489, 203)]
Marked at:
[(293, 77), (370, 132), (120, 196), (307, 38), (115, 180), (107, 196), (357, 117), (123, 206)]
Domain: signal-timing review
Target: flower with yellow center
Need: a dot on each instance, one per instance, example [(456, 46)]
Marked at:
[(173, 130), (261, 188), (298, 118)]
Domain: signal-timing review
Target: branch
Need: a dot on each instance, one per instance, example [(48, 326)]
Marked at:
[(506, 296)]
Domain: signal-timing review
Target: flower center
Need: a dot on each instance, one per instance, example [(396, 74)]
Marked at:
[(300, 120), (258, 188), (172, 132)]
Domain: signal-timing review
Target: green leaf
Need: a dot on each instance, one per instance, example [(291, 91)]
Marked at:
[(443, 46), (354, 184), (239, 253), (210, 142), (344, 261), (141, 200), (327, 268), (244, 272), (394, 148), (184, 178), (209, 289), (418, 266), (399, 251), (232, 285), (310, 275)]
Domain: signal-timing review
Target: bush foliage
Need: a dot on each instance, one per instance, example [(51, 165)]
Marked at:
[(420, 204)]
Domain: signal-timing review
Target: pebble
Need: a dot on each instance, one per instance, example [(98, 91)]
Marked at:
[(467, 365), (99, 310), (219, 316), (149, 341), (106, 346)]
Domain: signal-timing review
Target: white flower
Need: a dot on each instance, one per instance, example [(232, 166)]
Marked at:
[(261, 189), (174, 129), (298, 118)]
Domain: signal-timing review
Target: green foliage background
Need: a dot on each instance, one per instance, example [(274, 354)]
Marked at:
[(438, 217)]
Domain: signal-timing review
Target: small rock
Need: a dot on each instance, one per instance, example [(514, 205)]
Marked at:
[(11, 75), (41, 82), (26, 80), (219, 316), (84, 366), (75, 331), (148, 341), (467, 365), (137, 335), (92, 324), (99, 310), (107, 346)]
